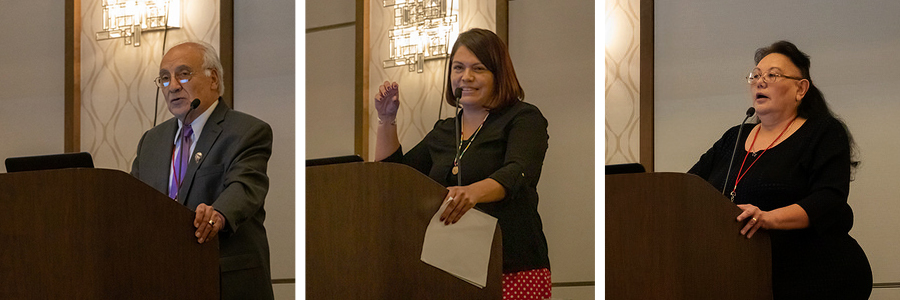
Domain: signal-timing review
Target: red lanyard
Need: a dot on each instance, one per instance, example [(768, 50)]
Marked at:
[(741, 174)]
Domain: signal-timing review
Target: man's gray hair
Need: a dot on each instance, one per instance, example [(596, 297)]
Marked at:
[(210, 61)]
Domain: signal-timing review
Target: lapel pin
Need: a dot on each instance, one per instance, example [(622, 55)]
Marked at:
[(197, 157)]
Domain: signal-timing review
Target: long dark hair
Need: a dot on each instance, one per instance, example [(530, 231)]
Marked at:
[(813, 104), (494, 55)]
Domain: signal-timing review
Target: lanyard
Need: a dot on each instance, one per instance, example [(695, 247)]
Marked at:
[(741, 174), (471, 141)]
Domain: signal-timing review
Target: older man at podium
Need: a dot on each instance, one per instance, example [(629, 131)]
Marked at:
[(213, 160)]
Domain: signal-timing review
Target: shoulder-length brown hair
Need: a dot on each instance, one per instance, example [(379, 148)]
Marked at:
[(494, 55)]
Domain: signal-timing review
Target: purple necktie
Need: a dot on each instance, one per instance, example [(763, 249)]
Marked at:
[(181, 161)]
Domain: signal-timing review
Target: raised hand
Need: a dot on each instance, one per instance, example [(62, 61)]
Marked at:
[(387, 101)]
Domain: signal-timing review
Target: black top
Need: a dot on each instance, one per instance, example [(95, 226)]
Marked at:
[(510, 149), (812, 169)]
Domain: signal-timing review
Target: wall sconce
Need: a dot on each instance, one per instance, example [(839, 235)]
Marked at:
[(422, 30), (129, 18)]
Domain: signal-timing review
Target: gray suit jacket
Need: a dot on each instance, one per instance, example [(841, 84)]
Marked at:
[(230, 175)]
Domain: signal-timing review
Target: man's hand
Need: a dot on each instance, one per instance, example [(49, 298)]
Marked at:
[(208, 222)]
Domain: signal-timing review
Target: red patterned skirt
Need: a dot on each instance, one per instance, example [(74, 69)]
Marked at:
[(527, 285)]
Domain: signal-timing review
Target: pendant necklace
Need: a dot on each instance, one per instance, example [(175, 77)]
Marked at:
[(741, 171), (455, 169)]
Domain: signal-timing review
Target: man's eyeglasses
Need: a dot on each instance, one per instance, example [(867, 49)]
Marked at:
[(182, 77), (768, 77)]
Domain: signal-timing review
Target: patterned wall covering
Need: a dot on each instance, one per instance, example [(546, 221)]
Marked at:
[(421, 94), (623, 81), (117, 89)]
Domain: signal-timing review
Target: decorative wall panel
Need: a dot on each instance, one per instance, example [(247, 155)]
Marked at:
[(623, 63)]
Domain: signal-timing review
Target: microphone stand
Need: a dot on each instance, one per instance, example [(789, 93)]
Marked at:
[(750, 112)]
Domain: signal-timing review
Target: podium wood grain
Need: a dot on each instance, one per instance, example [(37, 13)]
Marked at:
[(98, 234), (365, 224), (673, 236)]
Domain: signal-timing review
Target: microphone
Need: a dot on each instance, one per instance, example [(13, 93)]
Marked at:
[(194, 105), (750, 112), (458, 94)]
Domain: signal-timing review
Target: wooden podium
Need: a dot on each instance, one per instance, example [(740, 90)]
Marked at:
[(99, 234), (365, 224), (674, 236)]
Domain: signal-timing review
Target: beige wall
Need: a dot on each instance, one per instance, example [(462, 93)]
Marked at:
[(330, 72), (704, 48), (32, 62), (552, 47), (264, 87)]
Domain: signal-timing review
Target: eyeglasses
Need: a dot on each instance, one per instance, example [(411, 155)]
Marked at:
[(182, 77), (767, 77)]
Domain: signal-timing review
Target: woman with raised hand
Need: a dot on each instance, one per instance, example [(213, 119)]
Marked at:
[(501, 150)]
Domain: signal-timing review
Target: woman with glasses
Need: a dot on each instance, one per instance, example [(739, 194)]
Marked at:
[(493, 165), (791, 176)]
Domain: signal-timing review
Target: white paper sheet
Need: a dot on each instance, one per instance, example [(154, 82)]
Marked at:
[(462, 249)]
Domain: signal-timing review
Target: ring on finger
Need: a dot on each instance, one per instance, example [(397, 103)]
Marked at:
[(754, 220)]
